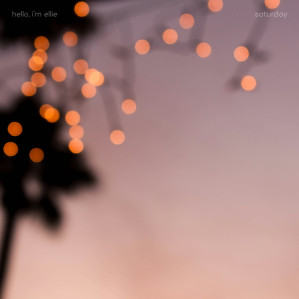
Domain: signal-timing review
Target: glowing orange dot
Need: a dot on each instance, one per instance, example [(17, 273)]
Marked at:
[(81, 9), (10, 149), (248, 83), (28, 89), (94, 77), (41, 54), (15, 129), (142, 47), (128, 106), (203, 50), (215, 5), (38, 79), (241, 54), (41, 43), (117, 137), (72, 118), (186, 21), (272, 4), (52, 115), (36, 155), (33, 65), (76, 146), (88, 90), (43, 109), (58, 74), (80, 66), (76, 132), (170, 36), (70, 39)]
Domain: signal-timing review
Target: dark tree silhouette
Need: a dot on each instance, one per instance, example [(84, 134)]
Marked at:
[(56, 169)]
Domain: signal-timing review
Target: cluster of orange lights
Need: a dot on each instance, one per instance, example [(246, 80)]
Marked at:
[(49, 113), (11, 149), (36, 63), (76, 132)]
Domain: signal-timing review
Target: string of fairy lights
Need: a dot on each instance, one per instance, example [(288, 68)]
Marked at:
[(192, 19)]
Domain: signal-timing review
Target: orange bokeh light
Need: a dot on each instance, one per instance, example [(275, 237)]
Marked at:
[(248, 83), (35, 63), (70, 38), (41, 43), (170, 36), (41, 54), (272, 4), (117, 137), (15, 128), (203, 50), (215, 5), (88, 90), (94, 77), (28, 89), (81, 9), (72, 118), (43, 109), (36, 155), (51, 114), (76, 146), (76, 132), (128, 106), (241, 54), (38, 79), (58, 74), (80, 66), (186, 21), (10, 149), (142, 46)]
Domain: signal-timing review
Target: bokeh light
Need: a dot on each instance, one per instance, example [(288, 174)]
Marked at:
[(10, 149), (15, 128), (43, 109), (186, 21), (36, 155), (248, 83), (28, 89), (76, 132), (81, 9), (170, 36), (117, 137), (52, 114), (80, 66), (72, 118), (94, 77), (88, 90), (33, 65), (38, 79), (41, 43), (272, 4), (58, 74), (142, 46), (128, 106), (241, 54), (76, 146), (215, 5), (203, 50), (70, 38), (41, 54)]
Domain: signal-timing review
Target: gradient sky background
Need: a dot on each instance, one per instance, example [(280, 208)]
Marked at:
[(201, 201)]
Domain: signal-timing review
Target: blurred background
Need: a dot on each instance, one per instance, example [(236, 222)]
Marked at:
[(201, 200)]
